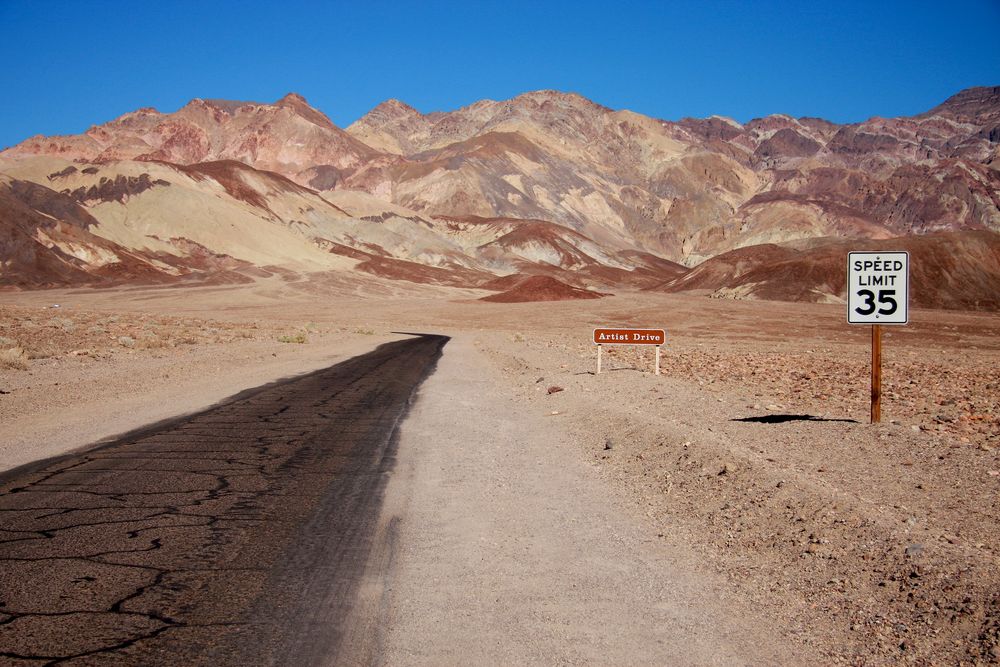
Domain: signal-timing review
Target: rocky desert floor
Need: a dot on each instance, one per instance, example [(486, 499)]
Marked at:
[(751, 453)]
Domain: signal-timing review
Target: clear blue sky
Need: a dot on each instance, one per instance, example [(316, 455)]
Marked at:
[(69, 64)]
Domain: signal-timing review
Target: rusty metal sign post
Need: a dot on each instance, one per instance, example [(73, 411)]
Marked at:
[(655, 337), (878, 292)]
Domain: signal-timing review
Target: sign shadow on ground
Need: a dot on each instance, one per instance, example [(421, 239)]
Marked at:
[(781, 419), (609, 370)]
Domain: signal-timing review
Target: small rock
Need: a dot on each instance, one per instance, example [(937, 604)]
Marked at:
[(608, 444), (915, 428), (555, 389), (914, 550)]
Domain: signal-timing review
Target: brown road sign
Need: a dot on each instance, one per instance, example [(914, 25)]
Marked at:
[(630, 336)]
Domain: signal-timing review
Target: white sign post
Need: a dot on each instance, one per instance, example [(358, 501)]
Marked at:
[(878, 292)]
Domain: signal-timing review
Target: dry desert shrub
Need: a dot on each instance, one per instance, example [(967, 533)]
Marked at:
[(13, 358), (63, 323), (42, 351), (152, 342), (7, 342), (297, 338), (126, 341)]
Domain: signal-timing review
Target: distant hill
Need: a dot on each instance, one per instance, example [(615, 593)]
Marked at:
[(547, 183)]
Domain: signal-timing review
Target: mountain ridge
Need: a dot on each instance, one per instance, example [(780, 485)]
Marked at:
[(684, 191)]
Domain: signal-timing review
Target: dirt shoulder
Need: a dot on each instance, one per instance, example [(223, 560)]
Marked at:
[(876, 544), (509, 550), (84, 376)]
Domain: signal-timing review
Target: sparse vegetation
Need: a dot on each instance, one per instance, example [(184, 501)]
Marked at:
[(296, 338), (63, 323), (150, 341), (42, 335), (41, 351), (13, 358), (364, 332)]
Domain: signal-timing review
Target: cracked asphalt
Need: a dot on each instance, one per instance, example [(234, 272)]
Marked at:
[(235, 536)]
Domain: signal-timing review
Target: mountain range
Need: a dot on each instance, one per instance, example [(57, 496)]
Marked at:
[(545, 184)]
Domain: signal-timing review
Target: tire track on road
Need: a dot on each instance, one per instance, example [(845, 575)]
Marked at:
[(234, 536)]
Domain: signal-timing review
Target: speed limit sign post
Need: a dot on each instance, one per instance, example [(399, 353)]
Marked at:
[(878, 292)]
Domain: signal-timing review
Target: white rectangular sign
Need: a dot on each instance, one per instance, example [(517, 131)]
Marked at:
[(878, 287)]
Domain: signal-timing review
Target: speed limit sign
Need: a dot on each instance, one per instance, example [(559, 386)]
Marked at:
[(878, 287), (878, 292)]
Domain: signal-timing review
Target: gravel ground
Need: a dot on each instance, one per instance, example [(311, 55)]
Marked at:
[(876, 544), (509, 550)]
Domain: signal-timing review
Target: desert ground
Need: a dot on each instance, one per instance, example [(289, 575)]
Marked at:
[(542, 496)]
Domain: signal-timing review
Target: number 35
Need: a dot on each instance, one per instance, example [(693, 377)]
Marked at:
[(885, 299)]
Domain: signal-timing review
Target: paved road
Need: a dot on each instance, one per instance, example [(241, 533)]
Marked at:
[(237, 536)]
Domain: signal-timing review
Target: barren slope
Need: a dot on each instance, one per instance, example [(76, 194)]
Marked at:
[(957, 270)]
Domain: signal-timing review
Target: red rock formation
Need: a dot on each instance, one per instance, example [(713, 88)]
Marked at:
[(538, 288), (955, 270)]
